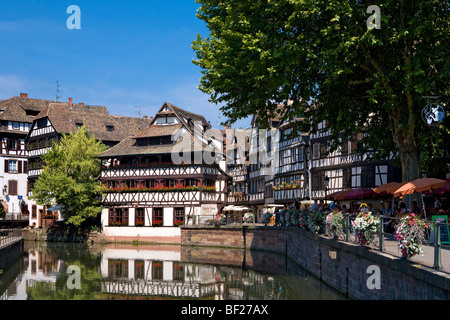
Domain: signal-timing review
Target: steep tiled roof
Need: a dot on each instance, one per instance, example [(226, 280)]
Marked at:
[(155, 130), (129, 147), (21, 109), (96, 119), (186, 117)]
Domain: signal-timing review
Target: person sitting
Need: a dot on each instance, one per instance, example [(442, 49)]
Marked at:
[(415, 209)]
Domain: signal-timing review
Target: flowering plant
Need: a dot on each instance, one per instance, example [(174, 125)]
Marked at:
[(157, 223), (267, 217), (410, 234), (311, 220), (336, 223), (249, 217), (294, 218), (118, 223), (365, 227), (219, 219), (139, 223), (178, 223)]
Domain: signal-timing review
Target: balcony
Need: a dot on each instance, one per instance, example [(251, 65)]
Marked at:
[(159, 197), (155, 170)]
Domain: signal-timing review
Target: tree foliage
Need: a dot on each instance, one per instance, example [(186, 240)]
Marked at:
[(69, 177), (321, 55)]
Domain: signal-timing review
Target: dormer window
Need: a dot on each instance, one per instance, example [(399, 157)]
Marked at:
[(79, 125), (110, 128), (165, 120)]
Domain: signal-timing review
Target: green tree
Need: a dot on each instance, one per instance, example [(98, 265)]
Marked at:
[(69, 177), (322, 55)]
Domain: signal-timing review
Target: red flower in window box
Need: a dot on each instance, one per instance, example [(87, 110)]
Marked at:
[(157, 223)]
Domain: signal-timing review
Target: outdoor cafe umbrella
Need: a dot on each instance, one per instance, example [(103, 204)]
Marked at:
[(440, 191), (360, 193), (340, 195), (420, 185), (389, 188)]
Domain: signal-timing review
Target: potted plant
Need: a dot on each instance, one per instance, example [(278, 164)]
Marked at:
[(410, 234), (365, 227), (248, 218), (219, 219), (336, 223)]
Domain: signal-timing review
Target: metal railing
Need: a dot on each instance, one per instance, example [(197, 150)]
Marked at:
[(431, 246), (210, 220), (384, 242), (9, 236), (15, 217)]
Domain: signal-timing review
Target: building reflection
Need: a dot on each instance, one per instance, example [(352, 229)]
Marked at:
[(156, 275), (129, 272), (37, 267)]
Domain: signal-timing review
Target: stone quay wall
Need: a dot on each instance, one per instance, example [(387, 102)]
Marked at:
[(11, 253), (357, 271)]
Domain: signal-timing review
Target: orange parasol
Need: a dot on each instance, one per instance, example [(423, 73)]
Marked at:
[(419, 185), (389, 188)]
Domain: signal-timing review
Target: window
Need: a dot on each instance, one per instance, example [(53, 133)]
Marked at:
[(12, 187), (110, 128), (117, 268), (12, 166), (118, 216), (33, 211), (158, 217), (15, 125), (12, 144), (179, 215), (165, 120), (42, 123), (178, 271), (139, 270), (79, 125), (157, 270), (139, 217)]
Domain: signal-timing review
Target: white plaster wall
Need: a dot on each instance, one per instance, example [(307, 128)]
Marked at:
[(141, 231)]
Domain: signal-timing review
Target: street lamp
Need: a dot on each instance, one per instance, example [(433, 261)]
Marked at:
[(5, 189), (326, 182)]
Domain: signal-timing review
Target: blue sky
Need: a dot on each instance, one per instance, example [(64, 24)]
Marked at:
[(128, 55)]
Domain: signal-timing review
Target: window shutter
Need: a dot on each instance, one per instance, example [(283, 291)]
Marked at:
[(6, 166), (19, 166), (12, 187), (25, 167)]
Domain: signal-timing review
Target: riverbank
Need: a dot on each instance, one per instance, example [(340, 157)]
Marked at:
[(105, 237), (357, 271)]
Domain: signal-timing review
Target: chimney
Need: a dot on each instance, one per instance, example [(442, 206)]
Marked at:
[(24, 95), (81, 103), (70, 102)]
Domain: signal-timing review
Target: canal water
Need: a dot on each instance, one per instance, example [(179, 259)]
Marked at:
[(68, 271)]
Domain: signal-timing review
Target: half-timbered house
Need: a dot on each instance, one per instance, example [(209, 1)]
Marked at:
[(263, 161), (291, 174), (16, 117), (170, 173), (346, 167), (57, 119), (236, 150)]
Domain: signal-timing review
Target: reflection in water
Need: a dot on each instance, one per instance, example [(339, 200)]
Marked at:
[(156, 272)]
